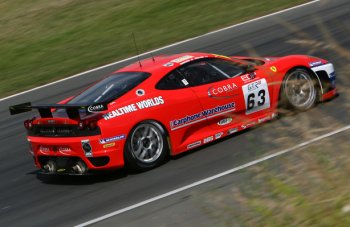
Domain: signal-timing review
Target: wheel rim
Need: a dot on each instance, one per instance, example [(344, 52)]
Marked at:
[(146, 143), (300, 90)]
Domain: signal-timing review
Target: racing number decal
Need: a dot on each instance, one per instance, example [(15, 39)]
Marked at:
[(256, 96), (251, 99)]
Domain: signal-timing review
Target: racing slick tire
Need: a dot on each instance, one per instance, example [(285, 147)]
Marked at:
[(299, 91), (146, 147)]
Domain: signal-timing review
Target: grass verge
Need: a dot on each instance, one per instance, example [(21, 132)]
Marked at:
[(42, 41), (308, 187)]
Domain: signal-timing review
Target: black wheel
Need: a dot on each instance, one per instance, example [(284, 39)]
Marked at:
[(146, 147), (299, 90)]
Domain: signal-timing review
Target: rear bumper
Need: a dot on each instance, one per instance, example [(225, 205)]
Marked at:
[(66, 152)]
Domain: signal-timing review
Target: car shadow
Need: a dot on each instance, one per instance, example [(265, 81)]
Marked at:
[(93, 178)]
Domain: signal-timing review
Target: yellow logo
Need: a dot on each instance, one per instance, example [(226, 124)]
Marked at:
[(223, 56), (109, 145), (273, 69)]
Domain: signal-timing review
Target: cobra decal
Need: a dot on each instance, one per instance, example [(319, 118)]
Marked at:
[(95, 108), (225, 90)]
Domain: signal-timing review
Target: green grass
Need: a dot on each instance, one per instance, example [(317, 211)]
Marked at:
[(42, 41), (307, 187)]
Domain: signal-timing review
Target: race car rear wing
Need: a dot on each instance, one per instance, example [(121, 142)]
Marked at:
[(45, 111)]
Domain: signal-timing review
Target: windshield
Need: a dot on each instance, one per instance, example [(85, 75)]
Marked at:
[(110, 88)]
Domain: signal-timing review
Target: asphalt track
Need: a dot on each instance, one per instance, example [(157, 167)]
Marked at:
[(26, 200)]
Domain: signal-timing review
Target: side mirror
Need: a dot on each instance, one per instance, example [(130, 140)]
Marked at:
[(250, 68)]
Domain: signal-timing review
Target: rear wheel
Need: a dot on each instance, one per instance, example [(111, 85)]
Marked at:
[(299, 90), (146, 147)]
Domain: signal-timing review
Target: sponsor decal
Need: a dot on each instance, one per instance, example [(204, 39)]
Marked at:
[(232, 130), (199, 57), (195, 144), (51, 121), (247, 125), (96, 108), (169, 64), (225, 89), (315, 63), (144, 104), (256, 96), (273, 69), (180, 60), (225, 121), (64, 149), (253, 86), (208, 139), (248, 77), (185, 82), (114, 138), (44, 149), (108, 145), (140, 92), (218, 135), (222, 56), (201, 115)]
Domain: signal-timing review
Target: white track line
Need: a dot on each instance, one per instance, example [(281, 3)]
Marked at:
[(161, 48), (306, 143)]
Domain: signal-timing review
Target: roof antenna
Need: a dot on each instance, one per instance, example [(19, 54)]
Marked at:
[(152, 57), (137, 50)]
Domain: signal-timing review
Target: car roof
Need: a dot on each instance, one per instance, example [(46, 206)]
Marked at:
[(163, 64)]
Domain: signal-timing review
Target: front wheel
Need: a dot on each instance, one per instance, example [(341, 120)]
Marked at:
[(299, 90), (146, 147)]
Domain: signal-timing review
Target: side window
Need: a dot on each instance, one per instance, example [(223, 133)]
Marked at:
[(171, 81), (201, 72), (229, 68)]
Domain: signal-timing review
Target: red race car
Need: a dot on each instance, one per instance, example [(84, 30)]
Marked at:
[(166, 105)]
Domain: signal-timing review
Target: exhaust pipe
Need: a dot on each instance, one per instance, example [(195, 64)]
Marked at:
[(80, 167), (50, 166)]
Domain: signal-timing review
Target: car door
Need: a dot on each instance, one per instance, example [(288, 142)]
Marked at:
[(183, 114), (217, 84)]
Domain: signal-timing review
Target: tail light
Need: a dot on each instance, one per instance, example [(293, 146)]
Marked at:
[(28, 124)]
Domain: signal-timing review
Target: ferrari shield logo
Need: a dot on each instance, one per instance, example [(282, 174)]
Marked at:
[(273, 69)]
